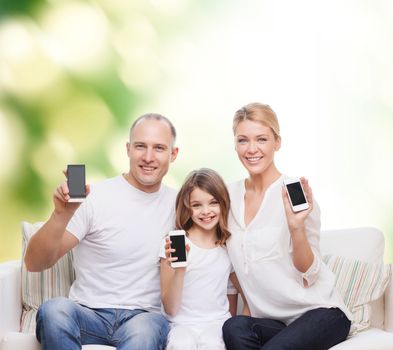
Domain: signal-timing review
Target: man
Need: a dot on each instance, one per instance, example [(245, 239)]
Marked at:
[(116, 234)]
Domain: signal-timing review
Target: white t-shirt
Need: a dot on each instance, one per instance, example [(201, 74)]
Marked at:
[(120, 229), (261, 256), (204, 297)]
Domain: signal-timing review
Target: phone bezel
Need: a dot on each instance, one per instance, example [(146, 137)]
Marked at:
[(175, 264), (299, 207)]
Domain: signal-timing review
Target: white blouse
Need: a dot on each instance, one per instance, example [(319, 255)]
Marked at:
[(261, 256)]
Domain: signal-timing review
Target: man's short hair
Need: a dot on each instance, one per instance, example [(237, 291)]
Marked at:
[(155, 116)]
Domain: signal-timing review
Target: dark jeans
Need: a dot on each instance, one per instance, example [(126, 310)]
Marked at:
[(317, 329)]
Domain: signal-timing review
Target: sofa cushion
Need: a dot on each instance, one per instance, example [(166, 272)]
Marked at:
[(366, 244), (372, 338), (359, 283), (40, 286)]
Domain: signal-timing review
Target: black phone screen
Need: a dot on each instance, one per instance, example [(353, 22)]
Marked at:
[(76, 180), (296, 193), (179, 243)]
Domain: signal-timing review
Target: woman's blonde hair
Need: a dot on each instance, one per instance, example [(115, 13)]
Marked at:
[(260, 113), (209, 181)]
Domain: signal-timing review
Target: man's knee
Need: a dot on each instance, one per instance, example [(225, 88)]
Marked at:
[(54, 309), (151, 324), (52, 317), (146, 330)]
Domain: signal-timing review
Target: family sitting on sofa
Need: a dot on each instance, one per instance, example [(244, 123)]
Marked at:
[(246, 233)]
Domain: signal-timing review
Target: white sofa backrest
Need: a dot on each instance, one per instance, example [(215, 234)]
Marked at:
[(365, 243)]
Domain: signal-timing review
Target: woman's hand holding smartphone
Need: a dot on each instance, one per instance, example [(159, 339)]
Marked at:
[(298, 202)]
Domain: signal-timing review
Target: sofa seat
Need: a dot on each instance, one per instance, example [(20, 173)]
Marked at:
[(371, 339), (28, 341)]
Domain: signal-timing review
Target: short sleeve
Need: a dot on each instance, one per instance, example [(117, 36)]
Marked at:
[(81, 222), (161, 252), (231, 289)]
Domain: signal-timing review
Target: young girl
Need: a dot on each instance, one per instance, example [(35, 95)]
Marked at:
[(195, 297)]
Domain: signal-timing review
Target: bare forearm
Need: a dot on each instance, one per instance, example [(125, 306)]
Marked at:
[(236, 283), (232, 298), (303, 256), (44, 247), (173, 291)]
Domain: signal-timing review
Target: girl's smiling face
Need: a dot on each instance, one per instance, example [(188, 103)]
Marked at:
[(205, 210)]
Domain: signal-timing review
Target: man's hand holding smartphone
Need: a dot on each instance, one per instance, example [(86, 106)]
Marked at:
[(62, 198)]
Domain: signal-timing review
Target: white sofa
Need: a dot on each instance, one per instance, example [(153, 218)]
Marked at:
[(365, 244)]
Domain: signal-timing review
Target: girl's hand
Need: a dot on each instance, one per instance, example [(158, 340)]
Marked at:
[(296, 220), (169, 250)]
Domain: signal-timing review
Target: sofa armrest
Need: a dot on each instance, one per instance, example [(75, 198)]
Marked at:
[(10, 297), (389, 307)]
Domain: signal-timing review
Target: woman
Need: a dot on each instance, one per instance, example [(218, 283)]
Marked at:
[(275, 252)]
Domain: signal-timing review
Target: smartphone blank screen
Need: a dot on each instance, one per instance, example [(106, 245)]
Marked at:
[(296, 193), (76, 180), (178, 243)]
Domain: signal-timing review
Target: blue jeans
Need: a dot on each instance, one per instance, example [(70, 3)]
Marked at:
[(318, 329), (64, 324)]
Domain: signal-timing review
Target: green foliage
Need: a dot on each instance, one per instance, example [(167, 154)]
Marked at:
[(69, 94)]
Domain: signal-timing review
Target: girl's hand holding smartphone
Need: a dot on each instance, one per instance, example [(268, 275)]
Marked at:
[(176, 248)]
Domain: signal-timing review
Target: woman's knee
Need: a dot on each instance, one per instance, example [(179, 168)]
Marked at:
[(235, 324), (234, 329)]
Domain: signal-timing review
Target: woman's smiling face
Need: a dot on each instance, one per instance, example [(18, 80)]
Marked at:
[(255, 146)]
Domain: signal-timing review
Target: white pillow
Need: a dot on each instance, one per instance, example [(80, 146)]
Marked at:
[(38, 287), (359, 283)]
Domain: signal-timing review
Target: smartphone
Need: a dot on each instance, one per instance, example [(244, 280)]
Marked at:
[(76, 180), (178, 239), (296, 194)]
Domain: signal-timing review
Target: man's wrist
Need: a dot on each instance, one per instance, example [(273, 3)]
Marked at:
[(61, 218)]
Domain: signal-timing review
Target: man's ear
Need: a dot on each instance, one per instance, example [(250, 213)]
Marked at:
[(128, 145), (174, 152)]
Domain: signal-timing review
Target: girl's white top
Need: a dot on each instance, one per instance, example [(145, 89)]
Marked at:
[(204, 297), (261, 254)]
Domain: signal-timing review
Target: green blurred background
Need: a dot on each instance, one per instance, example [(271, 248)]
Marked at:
[(74, 75)]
